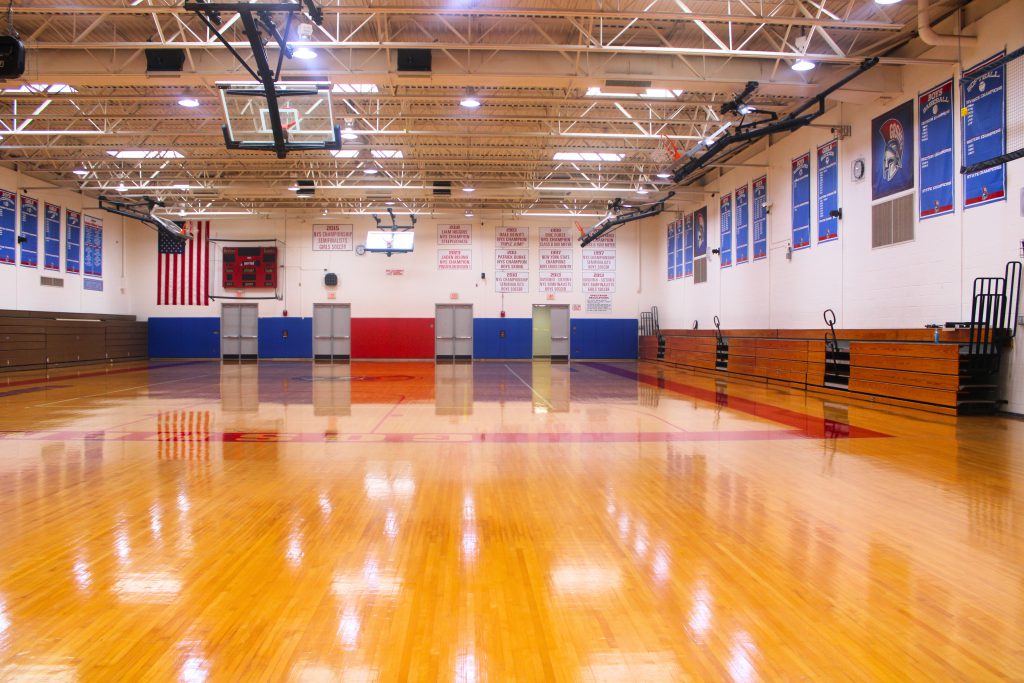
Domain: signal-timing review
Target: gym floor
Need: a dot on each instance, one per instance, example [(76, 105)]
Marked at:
[(497, 521)]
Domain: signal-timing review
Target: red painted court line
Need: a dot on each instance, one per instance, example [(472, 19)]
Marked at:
[(400, 437), (119, 371), (808, 425)]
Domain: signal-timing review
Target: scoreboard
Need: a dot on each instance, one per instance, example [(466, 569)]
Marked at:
[(246, 267)]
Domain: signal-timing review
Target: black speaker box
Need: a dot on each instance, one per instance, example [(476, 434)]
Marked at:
[(414, 60), (12, 57), (164, 59), (331, 279)]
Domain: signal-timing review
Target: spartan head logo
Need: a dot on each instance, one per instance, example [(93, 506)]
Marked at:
[(892, 159)]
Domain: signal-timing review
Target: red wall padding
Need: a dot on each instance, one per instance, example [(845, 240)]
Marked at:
[(392, 337)]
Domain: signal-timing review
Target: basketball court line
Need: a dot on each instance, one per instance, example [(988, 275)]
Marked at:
[(85, 375), (809, 425)]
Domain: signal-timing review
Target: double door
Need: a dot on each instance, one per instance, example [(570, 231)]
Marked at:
[(551, 331), (453, 332), (239, 332), (332, 332)]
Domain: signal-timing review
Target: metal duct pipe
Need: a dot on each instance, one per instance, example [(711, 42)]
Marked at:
[(930, 37)]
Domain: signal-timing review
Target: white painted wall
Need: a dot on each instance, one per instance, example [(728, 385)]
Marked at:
[(912, 284), (19, 285), (364, 282)]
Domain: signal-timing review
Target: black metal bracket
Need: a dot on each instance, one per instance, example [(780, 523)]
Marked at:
[(718, 330), (617, 217), (142, 211), (748, 133), (395, 227), (831, 339), (257, 20)]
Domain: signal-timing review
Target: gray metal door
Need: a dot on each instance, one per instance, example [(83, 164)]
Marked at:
[(332, 332), (239, 329), (453, 332), (444, 332), (559, 332)]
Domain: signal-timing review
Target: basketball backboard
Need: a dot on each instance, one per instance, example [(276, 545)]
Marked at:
[(303, 109)]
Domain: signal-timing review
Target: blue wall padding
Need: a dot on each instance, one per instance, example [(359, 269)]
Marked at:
[(274, 343), (184, 337), (488, 341), (604, 338)]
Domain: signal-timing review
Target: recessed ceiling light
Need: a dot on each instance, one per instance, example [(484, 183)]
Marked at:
[(189, 102), (304, 53), (81, 171), (803, 65)]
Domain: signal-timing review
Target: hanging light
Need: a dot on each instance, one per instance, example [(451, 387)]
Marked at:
[(664, 175), (469, 188), (80, 171), (188, 102), (803, 65), (470, 101)]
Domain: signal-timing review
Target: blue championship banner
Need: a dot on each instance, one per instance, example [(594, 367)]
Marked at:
[(671, 250), (8, 226), (678, 272), (29, 233), (828, 191), (760, 217), (51, 237), (725, 223), (983, 121), (892, 151), (935, 135), (688, 245), (742, 224), (92, 243), (700, 232), (73, 242), (801, 167)]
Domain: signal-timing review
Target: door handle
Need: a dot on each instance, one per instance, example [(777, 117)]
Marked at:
[(559, 339), (247, 337)]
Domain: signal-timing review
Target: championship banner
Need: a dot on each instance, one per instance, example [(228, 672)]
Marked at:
[(670, 250), (679, 255), (725, 224), (760, 217), (29, 232), (742, 224), (892, 151), (688, 245), (92, 257), (51, 237), (828, 191), (332, 237), (801, 168), (700, 232), (983, 124), (8, 226), (72, 242), (935, 136)]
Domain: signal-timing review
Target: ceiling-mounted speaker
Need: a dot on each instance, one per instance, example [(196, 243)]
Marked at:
[(331, 279), (442, 188), (414, 60), (164, 59), (307, 188), (12, 57)]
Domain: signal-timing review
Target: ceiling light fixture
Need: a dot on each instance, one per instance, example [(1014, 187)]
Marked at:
[(121, 187), (188, 102), (370, 171), (886, 2), (304, 53), (803, 65), (81, 171), (469, 188), (664, 175), (470, 101)]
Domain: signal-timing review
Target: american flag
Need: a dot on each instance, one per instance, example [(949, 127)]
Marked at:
[(183, 267)]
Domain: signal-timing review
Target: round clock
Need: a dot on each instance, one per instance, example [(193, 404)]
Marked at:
[(360, 249), (858, 169)]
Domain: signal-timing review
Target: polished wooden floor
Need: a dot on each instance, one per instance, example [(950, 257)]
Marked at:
[(497, 522)]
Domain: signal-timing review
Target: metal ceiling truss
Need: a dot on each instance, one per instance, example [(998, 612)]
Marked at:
[(630, 83)]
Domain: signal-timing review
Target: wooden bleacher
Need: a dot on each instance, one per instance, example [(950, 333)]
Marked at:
[(40, 339), (904, 367)]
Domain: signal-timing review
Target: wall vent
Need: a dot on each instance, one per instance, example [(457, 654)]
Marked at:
[(620, 83), (700, 270), (51, 281), (892, 221)]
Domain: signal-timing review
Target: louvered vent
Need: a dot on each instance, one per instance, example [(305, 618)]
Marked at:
[(892, 222), (700, 270), (51, 281)]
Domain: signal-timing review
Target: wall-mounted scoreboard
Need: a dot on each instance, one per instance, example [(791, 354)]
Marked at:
[(250, 267)]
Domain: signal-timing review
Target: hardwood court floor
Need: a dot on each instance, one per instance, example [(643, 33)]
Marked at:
[(499, 522)]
